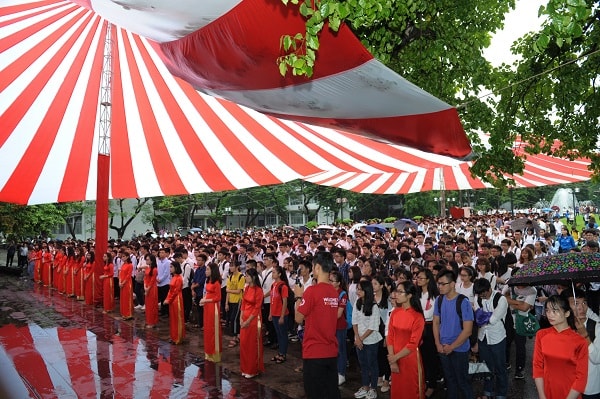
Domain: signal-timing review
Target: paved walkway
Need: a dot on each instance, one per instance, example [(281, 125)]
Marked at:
[(58, 347)]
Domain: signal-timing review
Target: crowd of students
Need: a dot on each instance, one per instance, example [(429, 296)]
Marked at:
[(416, 306)]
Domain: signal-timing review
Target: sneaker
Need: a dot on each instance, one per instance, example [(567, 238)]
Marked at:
[(508, 366), (519, 375), (341, 379), (138, 307), (372, 394), (361, 393), (385, 388), (143, 307)]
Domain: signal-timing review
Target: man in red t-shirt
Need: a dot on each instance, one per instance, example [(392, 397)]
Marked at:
[(318, 308)]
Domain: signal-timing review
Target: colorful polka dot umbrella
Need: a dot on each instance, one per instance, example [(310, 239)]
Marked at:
[(556, 269)]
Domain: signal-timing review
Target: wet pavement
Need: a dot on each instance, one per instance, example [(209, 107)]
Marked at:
[(56, 347)]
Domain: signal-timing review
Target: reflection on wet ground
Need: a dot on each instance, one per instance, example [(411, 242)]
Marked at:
[(55, 347)]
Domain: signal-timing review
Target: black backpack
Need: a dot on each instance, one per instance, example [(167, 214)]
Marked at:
[(459, 301)]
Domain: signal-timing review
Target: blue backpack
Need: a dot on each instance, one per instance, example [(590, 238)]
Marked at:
[(348, 311)]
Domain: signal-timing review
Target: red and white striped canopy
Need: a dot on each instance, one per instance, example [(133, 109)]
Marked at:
[(228, 49), (167, 138)]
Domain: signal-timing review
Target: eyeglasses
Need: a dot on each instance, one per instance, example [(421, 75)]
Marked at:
[(442, 284)]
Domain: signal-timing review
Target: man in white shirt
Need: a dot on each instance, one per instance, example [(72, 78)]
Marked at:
[(270, 260), (588, 326), (223, 263), (492, 337), (520, 299)]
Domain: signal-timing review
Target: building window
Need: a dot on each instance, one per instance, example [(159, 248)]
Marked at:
[(296, 218), (76, 221), (296, 200)]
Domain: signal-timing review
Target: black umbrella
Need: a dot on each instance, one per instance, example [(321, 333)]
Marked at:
[(400, 224), (525, 223)]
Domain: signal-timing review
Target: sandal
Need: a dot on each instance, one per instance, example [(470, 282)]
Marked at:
[(298, 369), (232, 344), (280, 359), (274, 358)]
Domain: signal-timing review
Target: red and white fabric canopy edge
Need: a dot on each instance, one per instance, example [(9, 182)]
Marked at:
[(168, 139), (540, 170), (228, 49)]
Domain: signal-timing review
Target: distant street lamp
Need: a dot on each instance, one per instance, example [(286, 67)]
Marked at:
[(341, 201), (326, 211), (442, 200), (573, 191)]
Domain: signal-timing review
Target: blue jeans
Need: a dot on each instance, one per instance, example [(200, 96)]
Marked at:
[(494, 357), (456, 373), (281, 331), (369, 370), (342, 357)]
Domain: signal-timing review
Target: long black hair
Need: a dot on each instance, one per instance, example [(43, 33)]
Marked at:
[(411, 289), (214, 273), (253, 274), (152, 264), (557, 302), (282, 275), (368, 300), (338, 277), (432, 289), (384, 291)]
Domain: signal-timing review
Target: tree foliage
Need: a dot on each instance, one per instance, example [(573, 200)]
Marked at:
[(18, 221), (550, 94)]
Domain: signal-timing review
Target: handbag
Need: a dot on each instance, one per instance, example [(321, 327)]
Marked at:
[(526, 326), (482, 317), (139, 276)]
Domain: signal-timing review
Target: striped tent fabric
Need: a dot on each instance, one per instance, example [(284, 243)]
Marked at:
[(168, 138), (540, 170), (229, 48)]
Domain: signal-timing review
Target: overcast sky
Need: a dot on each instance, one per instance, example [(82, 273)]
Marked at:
[(518, 22)]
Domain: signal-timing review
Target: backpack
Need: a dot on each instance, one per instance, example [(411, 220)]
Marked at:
[(348, 311), (459, 300), (191, 277), (291, 298)]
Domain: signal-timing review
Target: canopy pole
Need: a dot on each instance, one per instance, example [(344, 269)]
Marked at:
[(103, 171)]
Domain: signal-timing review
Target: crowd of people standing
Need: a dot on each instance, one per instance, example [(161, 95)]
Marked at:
[(414, 306)]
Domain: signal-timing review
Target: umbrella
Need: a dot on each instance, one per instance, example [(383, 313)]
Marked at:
[(195, 230), (375, 228), (402, 223), (325, 227), (555, 208), (523, 223), (557, 269)]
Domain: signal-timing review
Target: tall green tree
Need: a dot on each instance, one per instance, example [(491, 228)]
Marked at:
[(550, 94), (18, 221)]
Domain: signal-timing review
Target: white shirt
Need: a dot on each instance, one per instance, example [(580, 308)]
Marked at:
[(186, 267), (593, 384), (365, 323), (526, 294), (428, 313), (494, 332), (468, 292), (266, 282)]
